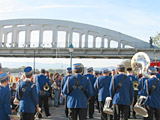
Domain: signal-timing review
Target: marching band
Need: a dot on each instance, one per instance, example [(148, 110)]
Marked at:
[(120, 94)]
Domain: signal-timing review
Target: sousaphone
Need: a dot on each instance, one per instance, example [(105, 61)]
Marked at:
[(140, 63)]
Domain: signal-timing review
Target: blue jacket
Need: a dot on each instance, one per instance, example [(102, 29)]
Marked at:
[(125, 94), (92, 79), (29, 100), (5, 108), (141, 85), (77, 99), (153, 100), (64, 80), (41, 80), (102, 87)]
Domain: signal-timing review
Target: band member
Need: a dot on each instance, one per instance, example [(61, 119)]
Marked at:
[(27, 95), (102, 87), (96, 75), (69, 74), (121, 91), (152, 91), (92, 79), (78, 89), (135, 85), (5, 109), (43, 85), (141, 85)]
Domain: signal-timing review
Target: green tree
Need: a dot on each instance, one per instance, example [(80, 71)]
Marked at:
[(156, 40)]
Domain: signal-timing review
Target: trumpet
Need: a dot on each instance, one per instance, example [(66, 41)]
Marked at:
[(135, 85), (46, 87)]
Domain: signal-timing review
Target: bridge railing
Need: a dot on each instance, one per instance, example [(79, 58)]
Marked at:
[(63, 45)]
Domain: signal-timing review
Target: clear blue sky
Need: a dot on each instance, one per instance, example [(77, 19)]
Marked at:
[(138, 18)]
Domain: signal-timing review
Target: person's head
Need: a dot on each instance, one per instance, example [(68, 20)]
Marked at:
[(4, 79), (152, 71), (90, 70), (56, 76), (96, 73), (105, 71), (129, 70), (43, 71), (121, 68), (28, 72), (47, 73), (14, 86), (78, 68), (50, 75), (113, 72), (69, 70)]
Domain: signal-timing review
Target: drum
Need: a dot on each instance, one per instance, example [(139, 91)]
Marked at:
[(108, 106), (139, 107)]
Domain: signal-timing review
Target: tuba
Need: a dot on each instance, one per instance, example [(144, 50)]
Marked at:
[(140, 63), (46, 87)]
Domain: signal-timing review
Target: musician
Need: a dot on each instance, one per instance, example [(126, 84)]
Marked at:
[(135, 85), (152, 91), (102, 87), (5, 109), (92, 79), (27, 95), (78, 89), (121, 91), (42, 81), (69, 74), (141, 85)]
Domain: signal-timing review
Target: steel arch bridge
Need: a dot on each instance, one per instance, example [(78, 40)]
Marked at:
[(89, 41)]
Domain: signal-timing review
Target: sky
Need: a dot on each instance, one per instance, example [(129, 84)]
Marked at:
[(137, 18)]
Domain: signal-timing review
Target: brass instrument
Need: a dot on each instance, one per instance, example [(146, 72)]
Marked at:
[(140, 63), (46, 87), (135, 85)]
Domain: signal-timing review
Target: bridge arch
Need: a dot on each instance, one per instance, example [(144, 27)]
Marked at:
[(83, 31)]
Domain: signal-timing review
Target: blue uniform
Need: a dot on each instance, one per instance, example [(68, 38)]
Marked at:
[(153, 100), (92, 79), (77, 99), (29, 100), (64, 81), (102, 87), (125, 94), (5, 108), (41, 80), (141, 84)]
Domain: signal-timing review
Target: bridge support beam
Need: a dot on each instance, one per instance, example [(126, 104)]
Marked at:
[(54, 38), (27, 36), (1, 35)]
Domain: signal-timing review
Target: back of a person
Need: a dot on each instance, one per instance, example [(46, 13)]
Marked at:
[(104, 82), (77, 96), (26, 102), (123, 94), (153, 99), (3, 93)]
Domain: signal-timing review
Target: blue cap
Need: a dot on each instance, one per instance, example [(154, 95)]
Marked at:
[(105, 70), (69, 69), (78, 66), (28, 71), (3, 77), (121, 66), (90, 69), (96, 72), (152, 70)]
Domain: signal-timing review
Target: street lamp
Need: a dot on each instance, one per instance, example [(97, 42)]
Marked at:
[(71, 49)]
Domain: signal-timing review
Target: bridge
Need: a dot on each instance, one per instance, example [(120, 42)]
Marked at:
[(51, 38)]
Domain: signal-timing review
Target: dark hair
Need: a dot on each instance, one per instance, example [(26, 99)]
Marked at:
[(43, 71), (28, 76), (121, 69), (78, 70)]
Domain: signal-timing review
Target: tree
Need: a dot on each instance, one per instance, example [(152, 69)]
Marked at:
[(156, 40)]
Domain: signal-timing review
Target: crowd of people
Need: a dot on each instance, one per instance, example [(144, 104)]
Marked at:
[(81, 93)]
